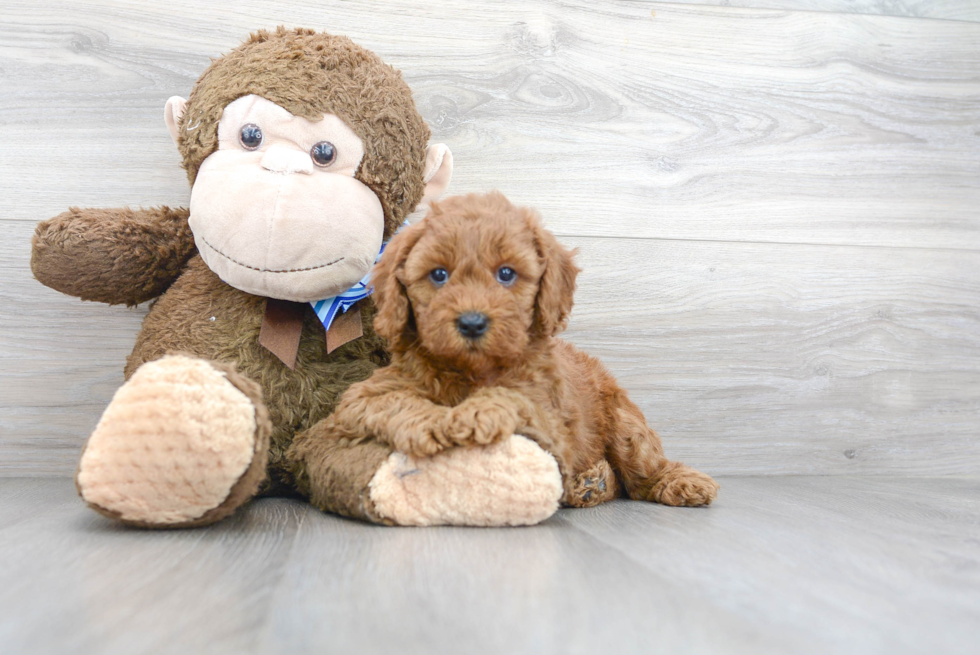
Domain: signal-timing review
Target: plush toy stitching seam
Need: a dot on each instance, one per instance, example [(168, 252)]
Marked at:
[(266, 270)]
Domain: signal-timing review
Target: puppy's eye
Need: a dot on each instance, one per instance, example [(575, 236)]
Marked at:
[(323, 153), (506, 275), (439, 276), (250, 136)]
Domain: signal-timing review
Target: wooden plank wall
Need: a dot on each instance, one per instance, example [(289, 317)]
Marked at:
[(775, 204)]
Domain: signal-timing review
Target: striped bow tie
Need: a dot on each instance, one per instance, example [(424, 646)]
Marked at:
[(282, 323), (328, 308)]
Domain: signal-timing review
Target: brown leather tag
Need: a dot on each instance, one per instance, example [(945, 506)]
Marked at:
[(345, 328), (282, 327)]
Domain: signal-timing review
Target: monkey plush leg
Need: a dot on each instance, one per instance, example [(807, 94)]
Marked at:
[(638, 457), (512, 482), (184, 442)]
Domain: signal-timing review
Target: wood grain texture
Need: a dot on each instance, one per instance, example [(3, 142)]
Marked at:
[(778, 565), (696, 122), (967, 10), (699, 156), (545, 589), (845, 565), (748, 358), (71, 581), (801, 359)]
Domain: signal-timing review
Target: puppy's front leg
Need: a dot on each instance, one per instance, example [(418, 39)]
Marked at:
[(394, 415), (489, 415)]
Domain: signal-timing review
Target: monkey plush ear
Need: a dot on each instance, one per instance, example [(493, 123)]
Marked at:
[(390, 297), (171, 115), (438, 172)]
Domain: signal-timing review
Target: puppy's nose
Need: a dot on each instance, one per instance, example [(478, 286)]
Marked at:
[(472, 325)]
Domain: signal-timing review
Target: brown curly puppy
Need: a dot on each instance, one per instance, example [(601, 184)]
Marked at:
[(470, 299)]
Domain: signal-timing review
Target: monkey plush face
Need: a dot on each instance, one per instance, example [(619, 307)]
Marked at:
[(304, 152), (276, 209)]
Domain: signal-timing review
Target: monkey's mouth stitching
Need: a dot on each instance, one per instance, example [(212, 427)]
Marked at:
[(269, 270)]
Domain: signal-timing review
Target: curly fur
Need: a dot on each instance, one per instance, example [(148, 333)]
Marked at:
[(444, 390)]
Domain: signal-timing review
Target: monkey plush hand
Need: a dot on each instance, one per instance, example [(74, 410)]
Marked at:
[(305, 153)]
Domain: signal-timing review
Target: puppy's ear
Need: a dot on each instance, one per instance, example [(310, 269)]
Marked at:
[(389, 292), (557, 286)]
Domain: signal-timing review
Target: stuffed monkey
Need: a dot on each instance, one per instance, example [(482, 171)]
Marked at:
[(305, 153)]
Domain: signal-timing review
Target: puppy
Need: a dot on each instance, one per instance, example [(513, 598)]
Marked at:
[(470, 300)]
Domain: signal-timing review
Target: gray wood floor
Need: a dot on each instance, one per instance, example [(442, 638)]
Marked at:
[(779, 565)]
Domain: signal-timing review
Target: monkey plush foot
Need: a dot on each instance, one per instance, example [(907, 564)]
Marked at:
[(183, 442), (513, 482)]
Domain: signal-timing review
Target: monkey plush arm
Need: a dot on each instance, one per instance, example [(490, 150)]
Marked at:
[(113, 256)]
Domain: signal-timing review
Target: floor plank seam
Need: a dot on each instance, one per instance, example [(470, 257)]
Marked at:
[(767, 243)]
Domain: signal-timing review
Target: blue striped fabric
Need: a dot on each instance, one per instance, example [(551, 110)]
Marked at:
[(326, 309)]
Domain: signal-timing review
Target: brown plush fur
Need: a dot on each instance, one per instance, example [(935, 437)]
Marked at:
[(296, 399), (310, 74), (335, 474), (115, 256), (131, 256), (443, 390)]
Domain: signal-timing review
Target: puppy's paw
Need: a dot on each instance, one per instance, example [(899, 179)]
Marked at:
[(420, 441), (592, 487), (684, 487), (479, 421)]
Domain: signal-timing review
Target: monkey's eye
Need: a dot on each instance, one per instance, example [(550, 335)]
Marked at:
[(506, 275), (250, 136), (439, 276), (323, 153)]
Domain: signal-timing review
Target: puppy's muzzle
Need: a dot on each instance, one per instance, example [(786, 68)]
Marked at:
[(473, 325)]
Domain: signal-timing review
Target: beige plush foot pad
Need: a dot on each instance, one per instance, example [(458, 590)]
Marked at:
[(170, 446), (513, 482)]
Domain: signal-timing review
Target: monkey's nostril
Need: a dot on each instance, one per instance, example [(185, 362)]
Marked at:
[(472, 325)]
